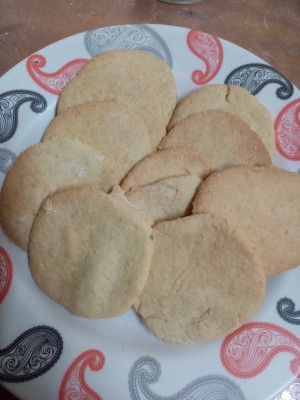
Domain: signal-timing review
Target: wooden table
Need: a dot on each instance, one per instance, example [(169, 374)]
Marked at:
[(267, 28)]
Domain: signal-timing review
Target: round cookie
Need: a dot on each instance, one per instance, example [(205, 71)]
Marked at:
[(41, 169), (261, 205), (166, 163), (222, 137), (234, 99), (90, 252), (144, 67), (203, 283), (125, 77), (121, 136), (166, 199)]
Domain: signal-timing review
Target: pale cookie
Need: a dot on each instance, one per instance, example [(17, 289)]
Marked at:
[(203, 283), (90, 252), (167, 199), (42, 169), (116, 76), (222, 137), (121, 136), (261, 205), (166, 163), (234, 99), (144, 67)]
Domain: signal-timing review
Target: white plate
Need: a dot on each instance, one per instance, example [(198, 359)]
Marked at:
[(48, 353)]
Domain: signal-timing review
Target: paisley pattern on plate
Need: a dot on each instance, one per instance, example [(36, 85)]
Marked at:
[(32, 354), (246, 352), (53, 82), (287, 131), (198, 58), (286, 308), (209, 49), (7, 158), (10, 103), (134, 37), (292, 393), (73, 385), (6, 273), (254, 77), (146, 371)]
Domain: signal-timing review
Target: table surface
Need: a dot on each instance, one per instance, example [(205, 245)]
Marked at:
[(268, 28)]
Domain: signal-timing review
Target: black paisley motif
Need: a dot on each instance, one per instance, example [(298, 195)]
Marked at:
[(286, 309), (7, 157), (10, 103), (254, 77), (135, 37), (32, 354), (146, 370)]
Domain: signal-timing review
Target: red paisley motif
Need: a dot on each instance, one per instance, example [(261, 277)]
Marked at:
[(73, 385), (56, 81), (6, 273), (247, 352), (287, 131), (210, 50)]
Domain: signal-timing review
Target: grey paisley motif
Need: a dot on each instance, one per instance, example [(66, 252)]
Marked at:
[(136, 37), (7, 157), (10, 103), (291, 393), (254, 77), (146, 370)]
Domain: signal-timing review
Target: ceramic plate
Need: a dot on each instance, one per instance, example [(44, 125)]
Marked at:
[(46, 353)]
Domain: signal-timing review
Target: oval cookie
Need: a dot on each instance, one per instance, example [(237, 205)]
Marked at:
[(42, 169), (202, 283), (144, 67), (115, 76), (221, 137), (261, 205), (90, 252), (234, 99), (121, 136)]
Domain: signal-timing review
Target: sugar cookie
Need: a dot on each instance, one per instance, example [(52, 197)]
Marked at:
[(203, 283), (221, 137), (234, 99), (261, 205), (42, 169), (121, 136), (90, 252)]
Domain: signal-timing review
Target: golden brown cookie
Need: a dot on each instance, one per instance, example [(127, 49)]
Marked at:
[(144, 67), (221, 137), (138, 80), (90, 252), (121, 136), (234, 99), (203, 283), (43, 169), (261, 205)]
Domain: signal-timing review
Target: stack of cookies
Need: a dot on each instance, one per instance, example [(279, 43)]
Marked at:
[(133, 200)]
